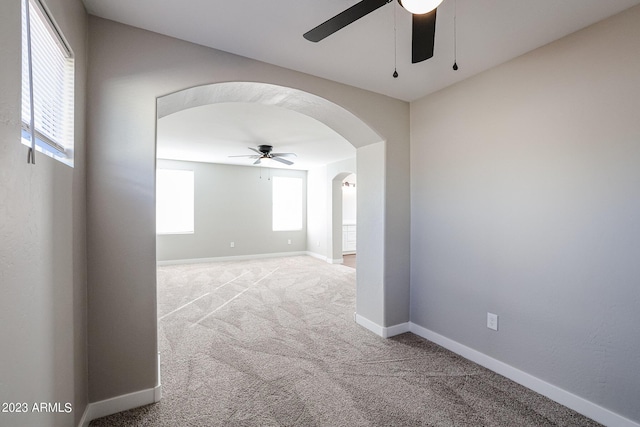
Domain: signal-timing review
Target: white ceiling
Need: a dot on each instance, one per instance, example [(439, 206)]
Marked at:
[(362, 54), (212, 133), (489, 32)]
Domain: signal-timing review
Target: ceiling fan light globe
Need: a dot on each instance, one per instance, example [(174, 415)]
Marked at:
[(419, 7)]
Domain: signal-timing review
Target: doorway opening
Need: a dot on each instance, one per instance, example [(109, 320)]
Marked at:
[(200, 305), (349, 221)]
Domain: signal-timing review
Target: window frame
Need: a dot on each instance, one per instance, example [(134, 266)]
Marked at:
[(276, 221), (183, 192), (48, 83)]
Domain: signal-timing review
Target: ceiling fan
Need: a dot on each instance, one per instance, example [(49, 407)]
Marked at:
[(424, 24), (264, 152)]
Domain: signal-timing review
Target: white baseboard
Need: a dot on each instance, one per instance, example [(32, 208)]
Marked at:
[(117, 404), (368, 324), (598, 413), (231, 258), (125, 402), (570, 400), (324, 258), (316, 255), (248, 257), (392, 331), (384, 332)]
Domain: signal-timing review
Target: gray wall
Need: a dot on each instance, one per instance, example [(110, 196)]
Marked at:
[(42, 243), (322, 206), (525, 195), (129, 69), (232, 204), (370, 286)]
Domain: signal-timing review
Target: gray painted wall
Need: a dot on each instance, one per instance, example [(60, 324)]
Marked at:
[(232, 204), (371, 244), (396, 233), (129, 69), (42, 243), (318, 211), (324, 209), (525, 195)]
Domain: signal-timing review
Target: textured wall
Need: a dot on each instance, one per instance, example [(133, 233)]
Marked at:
[(525, 189), (42, 244), (129, 69)]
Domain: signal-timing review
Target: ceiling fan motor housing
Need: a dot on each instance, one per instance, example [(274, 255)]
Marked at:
[(265, 149)]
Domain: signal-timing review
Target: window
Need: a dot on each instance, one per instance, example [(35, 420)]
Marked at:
[(287, 203), (47, 85), (174, 201)]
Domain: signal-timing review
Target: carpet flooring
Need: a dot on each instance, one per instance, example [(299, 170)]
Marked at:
[(273, 342)]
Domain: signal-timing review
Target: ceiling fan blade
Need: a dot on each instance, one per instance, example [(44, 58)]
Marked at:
[(343, 19), (278, 159), (251, 156), (251, 148), (257, 162), (284, 155), (423, 39)]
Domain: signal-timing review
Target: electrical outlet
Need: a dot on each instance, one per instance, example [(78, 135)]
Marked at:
[(233, 244), (289, 242), (492, 321)]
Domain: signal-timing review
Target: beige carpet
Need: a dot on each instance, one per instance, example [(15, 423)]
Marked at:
[(272, 342)]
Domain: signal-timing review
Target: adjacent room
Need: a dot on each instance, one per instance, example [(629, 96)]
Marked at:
[(261, 184), (480, 158)]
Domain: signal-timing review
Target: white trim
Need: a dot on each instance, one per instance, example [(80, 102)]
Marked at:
[(248, 257), (117, 404), (121, 403), (317, 255), (368, 324), (84, 421), (157, 390), (382, 331), (570, 400), (392, 331), (231, 258)]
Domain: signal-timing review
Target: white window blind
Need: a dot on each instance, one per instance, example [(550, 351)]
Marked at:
[(48, 79), (287, 203)]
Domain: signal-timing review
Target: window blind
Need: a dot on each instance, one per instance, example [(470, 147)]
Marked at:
[(48, 79)]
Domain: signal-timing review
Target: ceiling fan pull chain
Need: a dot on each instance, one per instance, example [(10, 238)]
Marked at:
[(395, 43), (455, 36)]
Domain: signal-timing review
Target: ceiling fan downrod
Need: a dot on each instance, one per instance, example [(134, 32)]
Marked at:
[(419, 7)]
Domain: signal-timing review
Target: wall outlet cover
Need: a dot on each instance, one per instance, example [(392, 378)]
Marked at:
[(492, 321)]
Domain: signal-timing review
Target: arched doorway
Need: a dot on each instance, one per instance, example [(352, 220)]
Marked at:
[(337, 216), (370, 146)]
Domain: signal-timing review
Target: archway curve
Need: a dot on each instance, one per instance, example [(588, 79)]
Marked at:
[(345, 123)]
